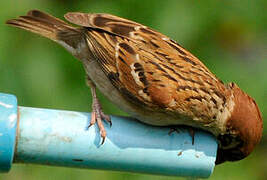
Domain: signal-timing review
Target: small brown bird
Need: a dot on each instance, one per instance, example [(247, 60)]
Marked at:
[(152, 78)]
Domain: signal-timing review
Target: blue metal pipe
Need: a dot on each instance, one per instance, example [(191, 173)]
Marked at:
[(61, 138)]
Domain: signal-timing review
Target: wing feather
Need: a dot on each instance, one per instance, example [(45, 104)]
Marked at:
[(149, 67)]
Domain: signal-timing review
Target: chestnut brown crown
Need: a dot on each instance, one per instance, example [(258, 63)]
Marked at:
[(244, 128)]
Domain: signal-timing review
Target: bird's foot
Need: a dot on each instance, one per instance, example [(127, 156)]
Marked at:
[(97, 116)]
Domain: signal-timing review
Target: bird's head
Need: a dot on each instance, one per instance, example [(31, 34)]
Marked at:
[(243, 128)]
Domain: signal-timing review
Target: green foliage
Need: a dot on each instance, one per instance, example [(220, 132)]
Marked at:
[(228, 36)]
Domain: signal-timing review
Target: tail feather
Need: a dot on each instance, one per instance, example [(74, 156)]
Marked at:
[(41, 15), (34, 26), (48, 26)]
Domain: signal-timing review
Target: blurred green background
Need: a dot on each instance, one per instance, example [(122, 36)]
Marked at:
[(230, 37)]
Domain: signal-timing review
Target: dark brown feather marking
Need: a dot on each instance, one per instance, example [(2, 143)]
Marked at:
[(193, 72), (121, 52), (138, 67), (113, 38), (203, 70), (148, 31), (220, 95), (122, 60), (127, 48), (188, 60), (172, 63), (154, 44), (100, 21), (204, 90), (175, 42), (199, 98), (176, 48), (162, 56), (141, 74), (157, 66), (120, 29), (113, 76), (213, 100), (144, 80), (186, 87), (145, 90), (170, 77), (182, 77), (167, 67)]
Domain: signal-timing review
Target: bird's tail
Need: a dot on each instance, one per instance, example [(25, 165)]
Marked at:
[(48, 26)]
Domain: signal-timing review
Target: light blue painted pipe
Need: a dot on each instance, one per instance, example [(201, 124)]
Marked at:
[(60, 138), (8, 126)]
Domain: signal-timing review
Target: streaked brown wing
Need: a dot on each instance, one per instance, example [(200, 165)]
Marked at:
[(132, 30), (147, 65)]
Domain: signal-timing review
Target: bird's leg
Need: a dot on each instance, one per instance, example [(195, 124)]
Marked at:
[(97, 113)]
